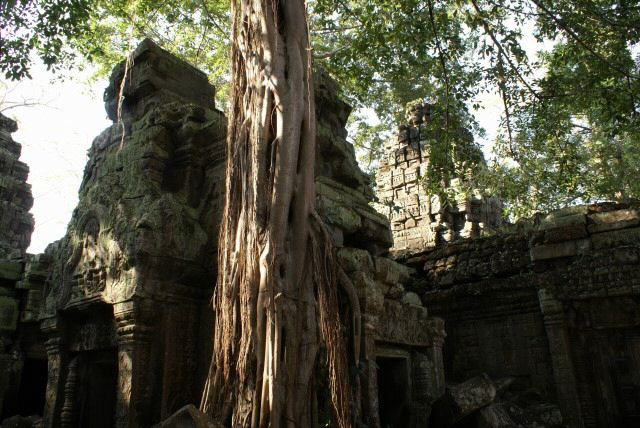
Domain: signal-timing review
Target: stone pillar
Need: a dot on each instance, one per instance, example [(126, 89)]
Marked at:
[(434, 352), (55, 361), (134, 338), (370, 373), (6, 363), (561, 360), (69, 412), (633, 345)]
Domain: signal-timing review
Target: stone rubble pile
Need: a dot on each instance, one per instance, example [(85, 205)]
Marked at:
[(484, 403)]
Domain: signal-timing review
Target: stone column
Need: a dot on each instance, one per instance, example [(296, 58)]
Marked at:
[(134, 339), (55, 360), (6, 363), (434, 353), (633, 345), (561, 360), (370, 373), (69, 412)]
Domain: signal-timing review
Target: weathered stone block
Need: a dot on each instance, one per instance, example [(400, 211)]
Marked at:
[(338, 215), (404, 324), (562, 249), (613, 220), (390, 272), (495, 416), (463, 399), (411, 298), (544, 414), (553, 221), (355, 259), (10, 270), (154, 70), (8, 313), (616, 237)]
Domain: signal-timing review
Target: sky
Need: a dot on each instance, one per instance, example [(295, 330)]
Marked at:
[(56, 133), (55, 136)]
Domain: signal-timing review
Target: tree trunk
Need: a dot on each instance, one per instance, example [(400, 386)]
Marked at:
[(276, 294)]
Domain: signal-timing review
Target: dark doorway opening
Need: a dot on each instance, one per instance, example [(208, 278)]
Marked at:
[(98, 388), (33, 387), (393, 392)]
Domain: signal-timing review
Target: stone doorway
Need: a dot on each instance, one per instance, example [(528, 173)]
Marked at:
[(30, 397), (98, 381), (393, 391)]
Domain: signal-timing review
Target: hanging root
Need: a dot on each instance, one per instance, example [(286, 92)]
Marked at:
[(356, 319), (128, 65), (326, 277)]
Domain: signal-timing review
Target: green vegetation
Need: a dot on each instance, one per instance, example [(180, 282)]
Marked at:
[(570, 126)]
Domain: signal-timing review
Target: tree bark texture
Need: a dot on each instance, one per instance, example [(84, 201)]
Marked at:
[(276, 297)]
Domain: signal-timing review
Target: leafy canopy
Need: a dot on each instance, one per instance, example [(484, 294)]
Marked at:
[(569, 131)]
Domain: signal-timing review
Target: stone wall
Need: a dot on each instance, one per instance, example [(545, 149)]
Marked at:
[(420, 219), (17, 299), (554, 303), (16, 223)]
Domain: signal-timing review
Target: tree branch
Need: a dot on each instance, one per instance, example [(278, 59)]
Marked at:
[(579, 40), (501, 50)]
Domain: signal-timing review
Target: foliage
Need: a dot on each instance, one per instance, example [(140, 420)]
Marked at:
[(578, 139), (368, 140), (196, 30), (41, 26), (570, 130), (102, 32), (570, 115)]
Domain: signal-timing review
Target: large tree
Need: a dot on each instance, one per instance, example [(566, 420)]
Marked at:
[(276, 295)]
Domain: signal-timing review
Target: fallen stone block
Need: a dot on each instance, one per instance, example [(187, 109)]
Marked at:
[(463, 399), (494, 416), (188, 417), (543, 415), (17, 421), (612, 220)]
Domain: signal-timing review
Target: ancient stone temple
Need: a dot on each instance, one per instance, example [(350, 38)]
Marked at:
[(112, 325), (125, 315), (401, 356), (553, 305), (18, 359), (419, 218), (16, 222)]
